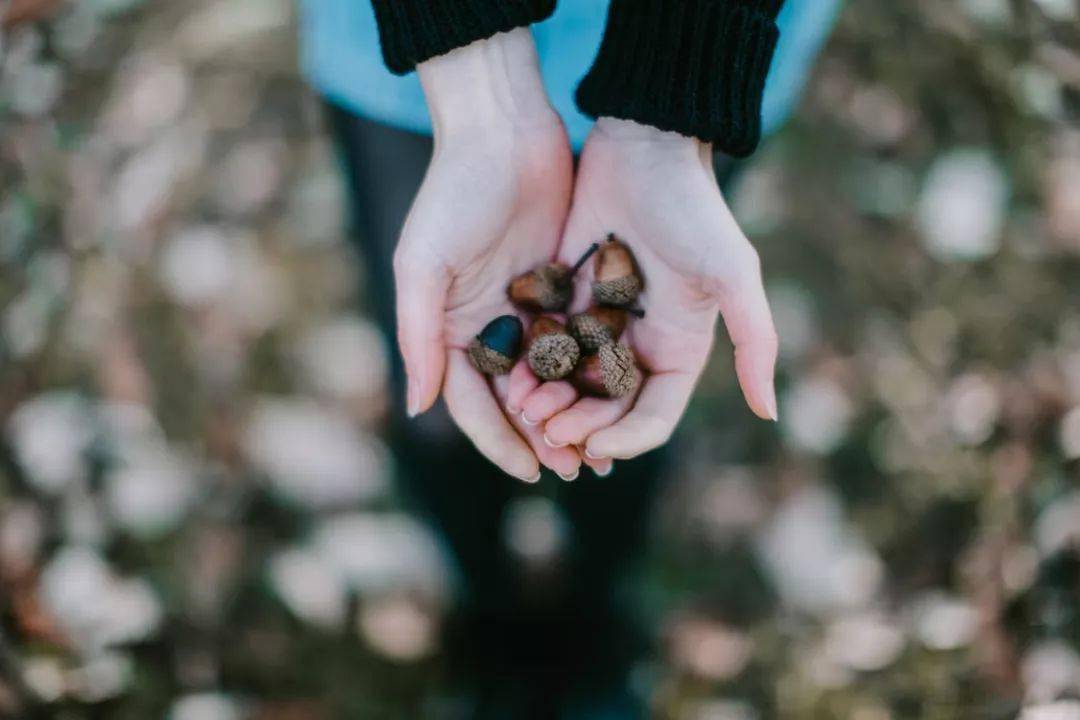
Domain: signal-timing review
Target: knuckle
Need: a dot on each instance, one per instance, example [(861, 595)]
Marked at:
[(753, 345), (651, 432), (748, 267), (739, 274), (657, 432), (767, 338), (753, 258), (561, 428), (401, 259), (411, 258)]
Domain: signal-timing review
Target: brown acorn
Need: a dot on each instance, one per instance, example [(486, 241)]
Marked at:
[(548, 288), (617, 279), (596, 326), (611, 372), (498, 346), (552, 352)]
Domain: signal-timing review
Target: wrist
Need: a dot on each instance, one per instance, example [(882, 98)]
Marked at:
[(647, 137), (488, 85)]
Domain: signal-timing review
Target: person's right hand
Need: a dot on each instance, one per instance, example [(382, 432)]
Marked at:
[(492, 205)]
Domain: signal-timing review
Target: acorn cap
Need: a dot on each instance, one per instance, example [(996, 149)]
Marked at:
[(618, 368), (612, 372), (552, 356), (488, 361), (548, 288), (495, 350), (618, 292), (596, 326), (617, 279)]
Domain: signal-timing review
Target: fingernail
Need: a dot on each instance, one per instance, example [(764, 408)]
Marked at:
[(412, 405), (604, 473), (571, 478), (527, 421), (533, 480), (550, 444), (770, 404), (591, 456)]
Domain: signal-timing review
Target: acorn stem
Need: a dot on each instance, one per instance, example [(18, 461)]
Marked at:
[(584, 258)]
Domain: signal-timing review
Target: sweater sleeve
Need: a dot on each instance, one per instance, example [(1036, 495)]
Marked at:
[(696, 67), (412, 31)]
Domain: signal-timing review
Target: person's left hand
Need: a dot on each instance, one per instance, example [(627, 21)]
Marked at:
[(658, 192)]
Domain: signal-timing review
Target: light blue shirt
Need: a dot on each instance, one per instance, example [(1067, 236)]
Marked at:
[(342, 60)]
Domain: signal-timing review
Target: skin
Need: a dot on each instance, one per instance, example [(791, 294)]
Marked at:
[(492, 205), (499, 198), (658, 191)]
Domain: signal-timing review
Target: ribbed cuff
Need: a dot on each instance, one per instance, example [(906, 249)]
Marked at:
[(696, 67), (412, 31)]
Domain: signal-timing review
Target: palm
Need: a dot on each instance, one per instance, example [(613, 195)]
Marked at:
[(493, 212), (487, 211), (653, 211), (696, 263)]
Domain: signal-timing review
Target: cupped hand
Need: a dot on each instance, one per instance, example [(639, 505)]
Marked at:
[(492, 205), (658, 192)]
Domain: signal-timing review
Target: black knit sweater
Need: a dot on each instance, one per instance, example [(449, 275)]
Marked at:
[(696, 67)]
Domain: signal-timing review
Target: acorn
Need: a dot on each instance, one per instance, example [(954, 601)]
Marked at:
[(617, 279), (611, 372), (597, 326), (498, 346), (552, 352), (548, 288)]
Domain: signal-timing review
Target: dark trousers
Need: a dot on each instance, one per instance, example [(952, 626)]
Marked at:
[(547, 640)]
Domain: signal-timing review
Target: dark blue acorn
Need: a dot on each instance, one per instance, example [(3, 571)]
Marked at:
[(495, 350)]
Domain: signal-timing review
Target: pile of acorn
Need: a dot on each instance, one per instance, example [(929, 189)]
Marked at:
[(586, 349)]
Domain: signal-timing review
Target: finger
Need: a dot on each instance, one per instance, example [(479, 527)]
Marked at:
[(521, 383), (564, 461), (585, 417), (475, 410), (650, 423), (602, 467), (749, 322), (546, 400), (421, 297)]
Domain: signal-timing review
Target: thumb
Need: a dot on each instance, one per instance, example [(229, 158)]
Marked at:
[(421, 288), (745, 309)]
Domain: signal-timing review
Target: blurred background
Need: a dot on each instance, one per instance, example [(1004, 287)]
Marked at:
[(198, 519)]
